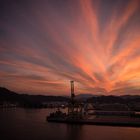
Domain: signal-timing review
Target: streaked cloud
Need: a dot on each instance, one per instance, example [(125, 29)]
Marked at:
[(45, 44)]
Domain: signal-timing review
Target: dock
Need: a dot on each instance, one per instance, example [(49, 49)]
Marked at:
[(79, 114)]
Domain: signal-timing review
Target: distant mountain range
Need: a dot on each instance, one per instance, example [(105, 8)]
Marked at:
[(37, 100), (119, 91), (28, 100), (83, 97)]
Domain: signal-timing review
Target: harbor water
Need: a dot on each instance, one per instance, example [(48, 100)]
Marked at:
[(31, 124)]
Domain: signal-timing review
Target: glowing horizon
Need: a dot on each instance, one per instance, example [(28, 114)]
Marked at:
[(44, 45)]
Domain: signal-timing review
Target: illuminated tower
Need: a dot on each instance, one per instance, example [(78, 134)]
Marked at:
[(72, 90), (75, 108)]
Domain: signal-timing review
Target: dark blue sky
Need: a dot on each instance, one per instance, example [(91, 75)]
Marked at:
[(46, 43)]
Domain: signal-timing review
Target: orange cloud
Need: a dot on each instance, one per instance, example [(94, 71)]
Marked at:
[(51, 45)]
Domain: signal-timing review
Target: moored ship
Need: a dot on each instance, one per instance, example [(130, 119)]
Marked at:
[(79, 113)]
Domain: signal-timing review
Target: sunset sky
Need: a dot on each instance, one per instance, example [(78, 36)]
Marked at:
[(46, 43)]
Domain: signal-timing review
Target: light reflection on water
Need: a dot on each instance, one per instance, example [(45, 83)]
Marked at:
[(30, 124)]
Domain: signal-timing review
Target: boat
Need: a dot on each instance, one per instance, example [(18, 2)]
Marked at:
[(78, 113)]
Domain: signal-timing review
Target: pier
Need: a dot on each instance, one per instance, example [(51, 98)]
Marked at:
[(79, 113)]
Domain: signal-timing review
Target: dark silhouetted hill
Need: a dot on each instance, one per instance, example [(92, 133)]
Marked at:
[(28, 100), (115, 99), (25, 100)]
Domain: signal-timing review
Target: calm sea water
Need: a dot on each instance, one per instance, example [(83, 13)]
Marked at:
[(30, 124)]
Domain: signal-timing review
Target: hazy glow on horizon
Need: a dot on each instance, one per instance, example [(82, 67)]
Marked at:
[(45, 44)]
